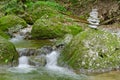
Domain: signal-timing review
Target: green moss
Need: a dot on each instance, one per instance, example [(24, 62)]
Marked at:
[(40, 11), (13, 7), (11, 21), (8, 53), (54, 27), (94, 49), (52, 5), (4, 35), (75, 29), (40, 8)]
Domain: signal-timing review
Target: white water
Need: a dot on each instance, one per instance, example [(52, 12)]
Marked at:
[(52, 64), (20, 35), (23, 66), (93, 19), (23, 62), (52, 60)]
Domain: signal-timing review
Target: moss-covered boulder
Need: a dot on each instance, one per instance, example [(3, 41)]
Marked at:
[(38, 9), (8, 53), (92, 49), (58, 26), (9, 21)]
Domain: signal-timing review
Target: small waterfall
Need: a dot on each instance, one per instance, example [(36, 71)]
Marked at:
[(23, 66), (52, 60), (23, 62), (93, 19), (22, 34), (52, 64)]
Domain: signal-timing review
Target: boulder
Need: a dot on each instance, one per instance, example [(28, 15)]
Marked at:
[(8, 53), (26, 51), (44, 50), (52, 27), (92, 50), (38, 60), (11, 21), (39, 8)]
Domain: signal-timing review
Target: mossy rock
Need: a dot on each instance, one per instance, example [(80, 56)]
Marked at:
[(37, 13), (9, 21), (4, 35), (8, 53), (92, 49), (40, 8), (58, 26)]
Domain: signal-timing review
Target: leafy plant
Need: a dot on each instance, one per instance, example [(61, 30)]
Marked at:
[(53, 5), (13, 7)]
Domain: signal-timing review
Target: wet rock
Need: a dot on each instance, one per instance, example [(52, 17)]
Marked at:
[(61, 43), (38, 60), (26, 51), (14, 29), (45, 50), (36, 56)]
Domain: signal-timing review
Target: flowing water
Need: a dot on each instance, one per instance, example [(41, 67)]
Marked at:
[(52, 64), (21, 34), (23, 66), (25, 71), (20, 40), (51, 71)]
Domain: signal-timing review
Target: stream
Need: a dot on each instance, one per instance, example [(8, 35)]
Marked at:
[(54, 73), (51, 71), (26, 71)]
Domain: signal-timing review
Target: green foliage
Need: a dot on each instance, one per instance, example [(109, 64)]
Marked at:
[(39, 9), (13, 7), (53, 5), (39, 0), (6, 61), (84, 17), (29, 4)]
